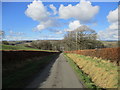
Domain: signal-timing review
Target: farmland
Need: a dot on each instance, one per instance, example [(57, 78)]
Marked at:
[(110, 44), (21, 63), (96, 65), (11, 47), (20, 47), (24, 72)]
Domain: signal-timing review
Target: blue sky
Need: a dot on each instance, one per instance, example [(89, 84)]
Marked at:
[(19, 26)]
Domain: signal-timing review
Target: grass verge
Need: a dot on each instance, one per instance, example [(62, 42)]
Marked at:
[(21, 77), (87, 82), (103, 73)]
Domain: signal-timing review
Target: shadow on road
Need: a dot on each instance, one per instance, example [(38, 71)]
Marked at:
[(43, 75)]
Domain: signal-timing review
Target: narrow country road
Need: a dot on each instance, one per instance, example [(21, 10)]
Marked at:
[(58, 74)]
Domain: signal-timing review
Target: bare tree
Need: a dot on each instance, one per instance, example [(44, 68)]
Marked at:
[(81, 38)]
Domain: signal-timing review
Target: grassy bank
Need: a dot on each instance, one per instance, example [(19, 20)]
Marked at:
[(20, 77), (86, 80), (103, 73)]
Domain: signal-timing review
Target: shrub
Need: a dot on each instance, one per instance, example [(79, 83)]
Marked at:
[(111, 54)]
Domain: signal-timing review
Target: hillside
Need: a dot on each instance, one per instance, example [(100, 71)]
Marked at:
[(110, 44)]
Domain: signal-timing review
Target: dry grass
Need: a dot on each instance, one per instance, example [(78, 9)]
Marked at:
[(103, 73)]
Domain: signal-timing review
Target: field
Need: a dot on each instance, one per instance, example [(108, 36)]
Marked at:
[(21, 47), (21, 65), (103, 73), (97, 67), (110, 44), (19, 75)]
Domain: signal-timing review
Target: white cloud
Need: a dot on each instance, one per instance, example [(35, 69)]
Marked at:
[(59, 32), (18, 38), (1, 32), (108, 34), (14, 38), (113, 16), (37, 11), (46, 24), (40, 27), (12, 33), (113, 26), (111, 33), (50, 37), (54, 38), (73, 25), (84, 11), (54, 9)]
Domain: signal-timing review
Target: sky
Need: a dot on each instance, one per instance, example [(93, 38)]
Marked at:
[(39, 20)]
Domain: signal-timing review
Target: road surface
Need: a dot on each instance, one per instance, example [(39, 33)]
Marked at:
[(58, 74)]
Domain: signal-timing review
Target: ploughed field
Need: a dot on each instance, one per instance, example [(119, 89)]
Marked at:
[(19, 67), (11, 56)]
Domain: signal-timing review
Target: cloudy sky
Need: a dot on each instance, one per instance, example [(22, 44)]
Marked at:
[(51, 20)]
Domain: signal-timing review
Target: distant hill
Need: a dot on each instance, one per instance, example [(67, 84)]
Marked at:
[(110, 40), (16, 42), (110, 43)]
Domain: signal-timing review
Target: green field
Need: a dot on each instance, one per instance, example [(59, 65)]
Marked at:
[(110, 44), (20, 47)]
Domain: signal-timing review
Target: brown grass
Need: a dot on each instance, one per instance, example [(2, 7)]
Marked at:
[(103, 73)]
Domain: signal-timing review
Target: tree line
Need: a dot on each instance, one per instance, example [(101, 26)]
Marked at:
[(78, 39)]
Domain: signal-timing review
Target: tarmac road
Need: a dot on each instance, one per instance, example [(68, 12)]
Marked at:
[(58, 74)]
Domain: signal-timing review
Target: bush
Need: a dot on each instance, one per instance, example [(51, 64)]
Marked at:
[(5, 42), (105, 53)]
